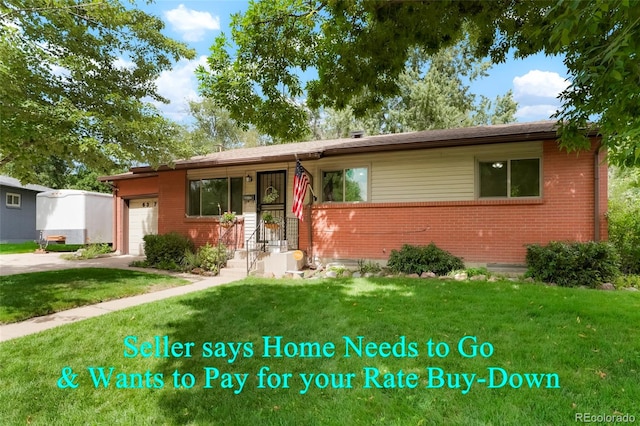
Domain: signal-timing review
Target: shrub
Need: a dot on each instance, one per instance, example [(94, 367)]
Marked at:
[(209, 258), (418, 259), (624, 234), (368, 267), (90, 251), (212, 258), (625, 281), (573, 264), (166, 249)]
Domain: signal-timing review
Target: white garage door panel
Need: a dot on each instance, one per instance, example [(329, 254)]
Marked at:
[(143, 220)]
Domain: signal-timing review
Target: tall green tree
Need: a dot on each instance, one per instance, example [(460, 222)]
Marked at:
[(434, 93), (359, 49), (77, 81), (213, 130), (624, 216)]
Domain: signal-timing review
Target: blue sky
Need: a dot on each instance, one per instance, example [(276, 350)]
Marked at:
[(535, 81)]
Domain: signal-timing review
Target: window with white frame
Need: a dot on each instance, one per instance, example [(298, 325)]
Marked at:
[(345, 185), (13, 200), (509, 178), (210, 197)]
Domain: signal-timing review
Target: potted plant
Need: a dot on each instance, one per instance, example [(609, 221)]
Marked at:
[(227, 219), (270, 195), (270, 222)]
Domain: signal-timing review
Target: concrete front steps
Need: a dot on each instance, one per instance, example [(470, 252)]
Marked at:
[(236, 266), (275, 264)]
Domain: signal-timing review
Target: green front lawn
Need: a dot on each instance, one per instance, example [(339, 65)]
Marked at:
[(16, 248), (30, 247), (39, 293), (581, 344)]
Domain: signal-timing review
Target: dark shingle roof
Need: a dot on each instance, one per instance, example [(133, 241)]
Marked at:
[(479, 135), (15, 183)]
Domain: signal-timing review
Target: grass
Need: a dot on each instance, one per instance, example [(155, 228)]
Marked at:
[(39, 293), (588, 338), (16, 248), (30, 247)]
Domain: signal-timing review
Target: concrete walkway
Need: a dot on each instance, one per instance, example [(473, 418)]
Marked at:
[(21, 263)]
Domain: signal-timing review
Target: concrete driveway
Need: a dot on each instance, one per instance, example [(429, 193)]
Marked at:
[(33, 262)]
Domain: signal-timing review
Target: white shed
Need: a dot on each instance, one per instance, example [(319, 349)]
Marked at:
[(82, 217)]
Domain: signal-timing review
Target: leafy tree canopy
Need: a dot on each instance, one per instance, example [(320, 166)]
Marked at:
[(434, 93), (214, 130), (77, 82), (359, 49)]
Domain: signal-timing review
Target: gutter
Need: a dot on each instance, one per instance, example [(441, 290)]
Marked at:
[(596, 193)]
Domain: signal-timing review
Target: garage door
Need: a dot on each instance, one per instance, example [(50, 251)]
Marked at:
[(143, 220)]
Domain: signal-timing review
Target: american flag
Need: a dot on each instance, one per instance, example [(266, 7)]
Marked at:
[(300, 183)]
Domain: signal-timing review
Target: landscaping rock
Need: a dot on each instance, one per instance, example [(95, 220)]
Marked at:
[(493, 279), (368, 275), (428, 274), (630, 289), (413, 276), (460, 276), (443, 277), (607, 286), (478, 278), (356, 275), (529, 280), (331, 274)]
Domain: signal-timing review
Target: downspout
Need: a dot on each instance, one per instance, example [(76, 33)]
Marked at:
[(596, 193), (114, 231)]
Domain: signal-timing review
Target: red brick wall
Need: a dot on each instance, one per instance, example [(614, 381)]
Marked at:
[(479, 231), (127, 189), (172, 212), (170, 188)]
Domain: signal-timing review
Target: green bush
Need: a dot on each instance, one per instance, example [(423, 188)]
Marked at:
[(166, 250), (368, 267), (208, 257), (573, 264), (625, 281), (212, 258), (418, 259), (624, 234)]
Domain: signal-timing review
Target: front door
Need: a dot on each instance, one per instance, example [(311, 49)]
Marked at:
[(272, 199)]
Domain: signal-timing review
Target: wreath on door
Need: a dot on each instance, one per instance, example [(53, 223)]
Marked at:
[(270, 195)]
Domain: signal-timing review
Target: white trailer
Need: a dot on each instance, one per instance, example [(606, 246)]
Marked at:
[(81, 217)]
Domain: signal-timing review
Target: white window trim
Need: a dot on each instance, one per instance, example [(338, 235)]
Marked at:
[(508, 160), (228, 178), (341, 167), (11, 195)]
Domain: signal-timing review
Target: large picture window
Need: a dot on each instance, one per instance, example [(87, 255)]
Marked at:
[(510, 178), (209, 197), (346, 185)]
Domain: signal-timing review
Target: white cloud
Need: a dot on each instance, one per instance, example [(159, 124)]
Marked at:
[(536, 112), (179, 85), (538, 83), (192, 24), (124, 64)]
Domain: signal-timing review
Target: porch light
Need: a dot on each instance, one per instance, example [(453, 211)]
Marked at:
[(497, 165), (248, 179)]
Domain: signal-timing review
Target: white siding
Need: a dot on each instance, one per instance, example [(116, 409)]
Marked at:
[(441, 174)]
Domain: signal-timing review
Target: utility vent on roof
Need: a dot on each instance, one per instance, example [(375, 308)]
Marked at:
[(356, 134)]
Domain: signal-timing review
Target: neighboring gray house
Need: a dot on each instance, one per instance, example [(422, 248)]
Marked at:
[(18, 210)]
